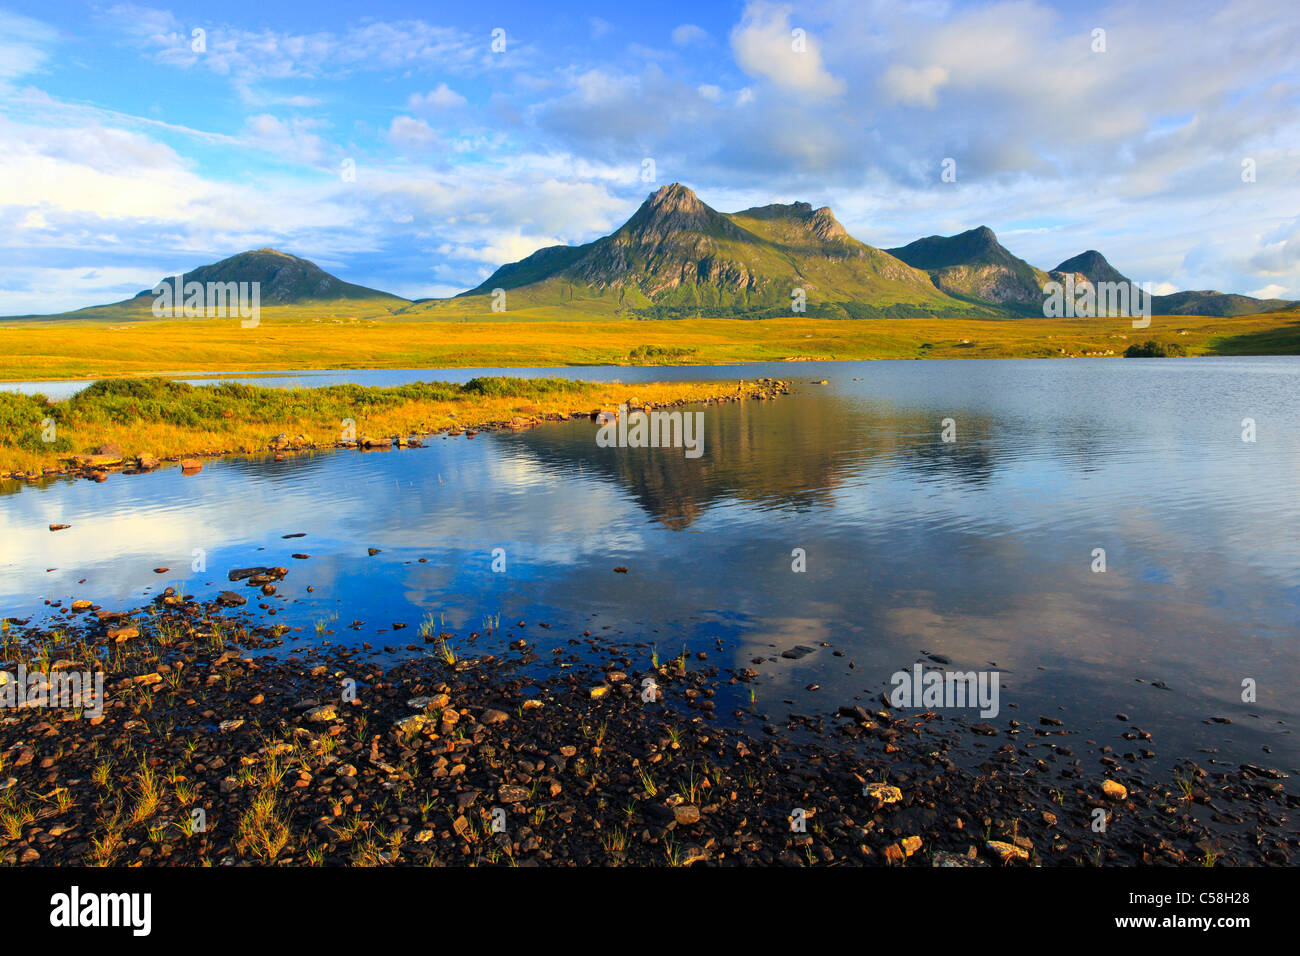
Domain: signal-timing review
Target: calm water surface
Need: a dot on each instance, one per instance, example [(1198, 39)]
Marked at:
[(980, 549)]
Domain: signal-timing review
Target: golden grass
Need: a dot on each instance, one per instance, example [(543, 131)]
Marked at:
[(158, 438), (291, 338)]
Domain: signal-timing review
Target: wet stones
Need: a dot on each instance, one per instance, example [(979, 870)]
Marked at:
[(411, 725), (881, 794), (1114, 790), (257, 577), (1007, 853), (437, 701), (899, 852), (686, 813)]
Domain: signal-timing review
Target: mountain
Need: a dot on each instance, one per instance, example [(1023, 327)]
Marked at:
[(678, 256), (973, 265), (1092, 265), (284, 279), (1095, 268), (1215, 303)]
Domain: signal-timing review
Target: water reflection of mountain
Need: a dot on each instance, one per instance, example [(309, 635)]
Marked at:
[(790, 454)]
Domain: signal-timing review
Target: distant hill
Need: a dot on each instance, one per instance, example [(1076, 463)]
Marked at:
[(1095, 268), (284, 280), (975, 266), (1215, 303)]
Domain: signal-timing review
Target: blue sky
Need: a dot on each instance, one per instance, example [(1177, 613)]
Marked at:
[(127, 154)]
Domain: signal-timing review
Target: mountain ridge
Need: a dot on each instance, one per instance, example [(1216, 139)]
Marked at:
[(676, 256)]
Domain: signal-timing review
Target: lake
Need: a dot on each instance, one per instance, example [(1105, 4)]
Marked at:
[(982, 549)]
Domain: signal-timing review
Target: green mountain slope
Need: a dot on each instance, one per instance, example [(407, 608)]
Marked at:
[(678, 256), (973, 265)]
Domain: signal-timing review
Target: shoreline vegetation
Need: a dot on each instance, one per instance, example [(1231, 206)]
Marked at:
[(138, 424), (301, 337)]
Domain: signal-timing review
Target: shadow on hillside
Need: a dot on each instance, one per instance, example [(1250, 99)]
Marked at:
[(1280, 340)]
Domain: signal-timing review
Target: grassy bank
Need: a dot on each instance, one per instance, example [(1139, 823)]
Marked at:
[(160, 418), (295, 338)]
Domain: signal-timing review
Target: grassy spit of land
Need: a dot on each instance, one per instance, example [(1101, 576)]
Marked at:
[(298, 337), (139, 422)]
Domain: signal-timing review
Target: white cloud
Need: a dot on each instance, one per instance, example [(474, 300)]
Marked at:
[(270, 54), (1273, 291), (24, 45), (765, 44), (502, 249), (290, 138), (441, 97), (409, 132), (913, 86), (689, 33), (1280, 254)]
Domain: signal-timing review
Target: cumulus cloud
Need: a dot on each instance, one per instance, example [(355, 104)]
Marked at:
[(1273, 291), (766, 45), (1281, 251), (409, 132), (441, 97)]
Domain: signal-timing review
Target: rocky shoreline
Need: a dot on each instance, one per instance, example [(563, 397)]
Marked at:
[(554, 749)]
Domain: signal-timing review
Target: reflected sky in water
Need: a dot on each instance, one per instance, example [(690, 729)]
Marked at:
[(980, 549)]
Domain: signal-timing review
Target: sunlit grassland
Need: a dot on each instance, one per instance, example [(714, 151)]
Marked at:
[(160, 418), (297, 337)]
